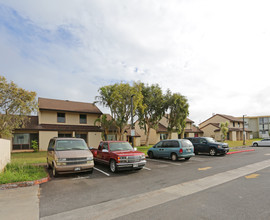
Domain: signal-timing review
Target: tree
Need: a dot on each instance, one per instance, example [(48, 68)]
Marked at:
[(224, 129), (153, 110), (15, 104), (117, 98), (105, 124), (177, 106)]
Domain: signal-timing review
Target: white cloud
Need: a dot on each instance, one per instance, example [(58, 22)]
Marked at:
[(214, 52)]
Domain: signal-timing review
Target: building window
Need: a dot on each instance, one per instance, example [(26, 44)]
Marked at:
[(233, 124), (163, 136), (83, 119), (83, 136), (61, 117)]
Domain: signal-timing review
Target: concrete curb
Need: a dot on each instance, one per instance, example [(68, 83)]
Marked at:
[(240, 151), (25, 183)]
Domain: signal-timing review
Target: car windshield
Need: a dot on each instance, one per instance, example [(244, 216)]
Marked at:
[(65, 145), (117, 146), (210, 140)]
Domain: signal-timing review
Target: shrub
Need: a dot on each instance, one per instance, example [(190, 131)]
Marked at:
[(34, 145)]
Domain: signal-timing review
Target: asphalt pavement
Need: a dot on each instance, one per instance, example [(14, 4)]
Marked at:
[(203, 188)]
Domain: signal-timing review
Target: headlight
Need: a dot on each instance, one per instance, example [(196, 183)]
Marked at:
[(89, 158), (143, 156), (62, 159)]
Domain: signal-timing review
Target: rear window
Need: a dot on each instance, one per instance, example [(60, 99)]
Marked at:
[(186, 143)]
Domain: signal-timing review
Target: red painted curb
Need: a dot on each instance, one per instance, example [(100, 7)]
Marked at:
[(240, 151)]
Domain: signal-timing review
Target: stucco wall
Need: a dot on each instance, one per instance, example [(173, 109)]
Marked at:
[(50, 117), (44, 138), (93, 139), (208, 131), (4, 153), (152, 137)]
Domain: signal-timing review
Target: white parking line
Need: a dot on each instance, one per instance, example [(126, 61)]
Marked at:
[(146, 168), (162, 161), (102, 171)]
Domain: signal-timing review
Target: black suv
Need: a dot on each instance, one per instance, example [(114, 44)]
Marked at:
[(208, 145)]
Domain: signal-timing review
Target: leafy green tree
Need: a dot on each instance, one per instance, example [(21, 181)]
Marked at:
[(224, 127), (106, 124), (15, 104), (117, 98), (177, 107), (153, 110)]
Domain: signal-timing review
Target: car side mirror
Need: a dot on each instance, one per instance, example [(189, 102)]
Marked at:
[(105, 150)]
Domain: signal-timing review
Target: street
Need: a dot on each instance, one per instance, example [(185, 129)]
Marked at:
[(222, 187)]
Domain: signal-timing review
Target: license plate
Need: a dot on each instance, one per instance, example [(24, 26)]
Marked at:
[(77, 169), (135, 165), (188, 150)]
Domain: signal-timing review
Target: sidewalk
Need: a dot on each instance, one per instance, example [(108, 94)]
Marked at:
[(20, 203)]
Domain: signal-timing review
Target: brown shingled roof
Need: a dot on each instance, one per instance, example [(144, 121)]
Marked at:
[(66, 105)]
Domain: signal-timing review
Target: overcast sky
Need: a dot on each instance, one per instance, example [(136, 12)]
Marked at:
[(214, 52)]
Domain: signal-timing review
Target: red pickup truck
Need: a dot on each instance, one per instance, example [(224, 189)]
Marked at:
[(119, 155)]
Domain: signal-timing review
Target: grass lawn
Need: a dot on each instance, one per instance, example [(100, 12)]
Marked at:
[(234, 144), (21, 169), (144, 149), (29, 157)]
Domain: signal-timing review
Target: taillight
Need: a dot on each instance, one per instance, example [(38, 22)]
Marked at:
[(181, 151)]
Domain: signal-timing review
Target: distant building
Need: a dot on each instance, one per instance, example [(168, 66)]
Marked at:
[(211, 127), (259, 126)]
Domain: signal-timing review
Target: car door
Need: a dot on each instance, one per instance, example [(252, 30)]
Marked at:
[(99, 152), (160, 148), (171, 146), (203, 146), (105, 155)]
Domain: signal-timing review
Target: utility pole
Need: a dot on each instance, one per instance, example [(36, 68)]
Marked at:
[(244, 133), (132, 124)]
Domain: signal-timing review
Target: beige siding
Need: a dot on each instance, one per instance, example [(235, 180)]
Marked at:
[(215, 119), (152, 137), (208, 130), (137, 141), (93, 139), (174, 135), (5, 146), (50, 117), (44, 138), (188, 125)]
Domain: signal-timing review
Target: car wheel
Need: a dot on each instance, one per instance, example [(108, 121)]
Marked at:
[(255, 145), (212, 152), (150, 155), (174, 157), (187, 158), (48, 165), (54, 172), (113, 167)]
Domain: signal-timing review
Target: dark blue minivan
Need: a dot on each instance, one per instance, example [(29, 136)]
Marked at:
[(173, 149)]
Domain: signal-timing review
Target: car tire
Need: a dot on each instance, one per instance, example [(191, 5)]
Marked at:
[(212, 152), (48, 165), (255, 145), (54, 172), (150, 155), (187, 158), (113, 167), (174, 157)]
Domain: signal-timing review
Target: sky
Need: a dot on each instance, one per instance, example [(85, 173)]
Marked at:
[(214, 52)]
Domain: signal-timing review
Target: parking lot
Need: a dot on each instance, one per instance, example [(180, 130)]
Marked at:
[(74, 191)]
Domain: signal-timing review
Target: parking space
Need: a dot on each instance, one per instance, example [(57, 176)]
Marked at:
[(102, 171)]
